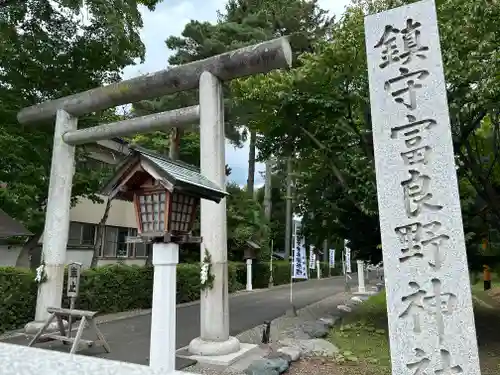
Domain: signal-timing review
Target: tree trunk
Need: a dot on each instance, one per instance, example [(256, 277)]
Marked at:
[(101, 227), (175, 144), (289, 213), (268, 191), (24, 258), (268, 203), (251, 163)]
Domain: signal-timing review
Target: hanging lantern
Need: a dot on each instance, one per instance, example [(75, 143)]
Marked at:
[(166, 194)]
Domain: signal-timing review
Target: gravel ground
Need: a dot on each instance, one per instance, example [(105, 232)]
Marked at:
[(288, 326), (327, 366)]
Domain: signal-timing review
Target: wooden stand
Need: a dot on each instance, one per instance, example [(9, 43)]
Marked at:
[(84, 316)]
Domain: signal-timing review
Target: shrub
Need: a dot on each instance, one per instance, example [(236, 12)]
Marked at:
[(18, 291), (119, 287), (281, 273), (107, 289)]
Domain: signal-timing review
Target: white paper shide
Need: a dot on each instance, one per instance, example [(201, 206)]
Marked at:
[(431, 322)]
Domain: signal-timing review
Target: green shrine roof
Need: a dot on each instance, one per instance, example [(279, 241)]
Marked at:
[(176, 174), (178, 171)]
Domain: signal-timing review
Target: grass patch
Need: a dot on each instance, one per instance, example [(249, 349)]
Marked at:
[(364, 344), (363, 340), (486, 297)]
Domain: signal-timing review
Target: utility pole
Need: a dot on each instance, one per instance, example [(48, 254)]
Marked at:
[(267, 189), (325, 245), (288, 225), (267, 211)]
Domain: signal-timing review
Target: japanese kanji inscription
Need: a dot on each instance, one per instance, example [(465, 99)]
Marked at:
[(431, 323)]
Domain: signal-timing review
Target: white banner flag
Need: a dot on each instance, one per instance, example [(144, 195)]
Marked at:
[(332, 258), (299, 264), (347, 257), (312, 258)]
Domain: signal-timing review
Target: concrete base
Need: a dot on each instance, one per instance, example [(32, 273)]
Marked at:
[(204, 348), (32, 328), (366, 293), (248, 358), (217, 360), (291, 312)]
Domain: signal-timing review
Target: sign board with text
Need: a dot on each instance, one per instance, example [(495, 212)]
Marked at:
[(73, 287), (431, 322)]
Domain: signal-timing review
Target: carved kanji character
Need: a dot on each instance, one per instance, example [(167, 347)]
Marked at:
[(390, 49), (419, 155), (415, 306), (412, 132), (411, 42), (416, 237), (416, 194), (410, 236), (410, 86), (436, 303), (447, 368), (435, 240), (419, 366), (440, 304)]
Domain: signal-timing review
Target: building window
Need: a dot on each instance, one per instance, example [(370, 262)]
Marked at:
[(116, 246), (81, 234)]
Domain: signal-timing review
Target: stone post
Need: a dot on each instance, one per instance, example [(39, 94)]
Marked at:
[(163, 315), (429, 305), (318, 269), (55, 234), (361, 276), (249, 274), (214, 307)]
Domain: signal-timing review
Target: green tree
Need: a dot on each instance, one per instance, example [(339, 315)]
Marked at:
[(319, 113), (49, 50), (316, 113), (303, 21), (246, 222), (243, 23)]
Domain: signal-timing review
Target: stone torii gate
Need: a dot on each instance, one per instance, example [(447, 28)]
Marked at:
[(206, 74)]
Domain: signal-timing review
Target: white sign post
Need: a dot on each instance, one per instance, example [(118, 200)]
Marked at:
[(431, 321), (361, 276), (73, 288)]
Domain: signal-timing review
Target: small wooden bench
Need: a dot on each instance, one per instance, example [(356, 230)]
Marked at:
[(84, 317)]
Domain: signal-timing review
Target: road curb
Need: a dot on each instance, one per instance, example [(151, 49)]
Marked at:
[(108, 318)]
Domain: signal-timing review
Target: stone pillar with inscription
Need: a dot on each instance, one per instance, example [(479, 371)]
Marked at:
[(431, 321), (361, 276)]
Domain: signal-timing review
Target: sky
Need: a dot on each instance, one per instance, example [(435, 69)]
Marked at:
[(169, 18)]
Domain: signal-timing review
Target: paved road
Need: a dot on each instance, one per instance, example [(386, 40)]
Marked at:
[(129, 338)]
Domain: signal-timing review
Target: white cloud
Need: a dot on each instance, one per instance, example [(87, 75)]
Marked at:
[(168, 19)]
